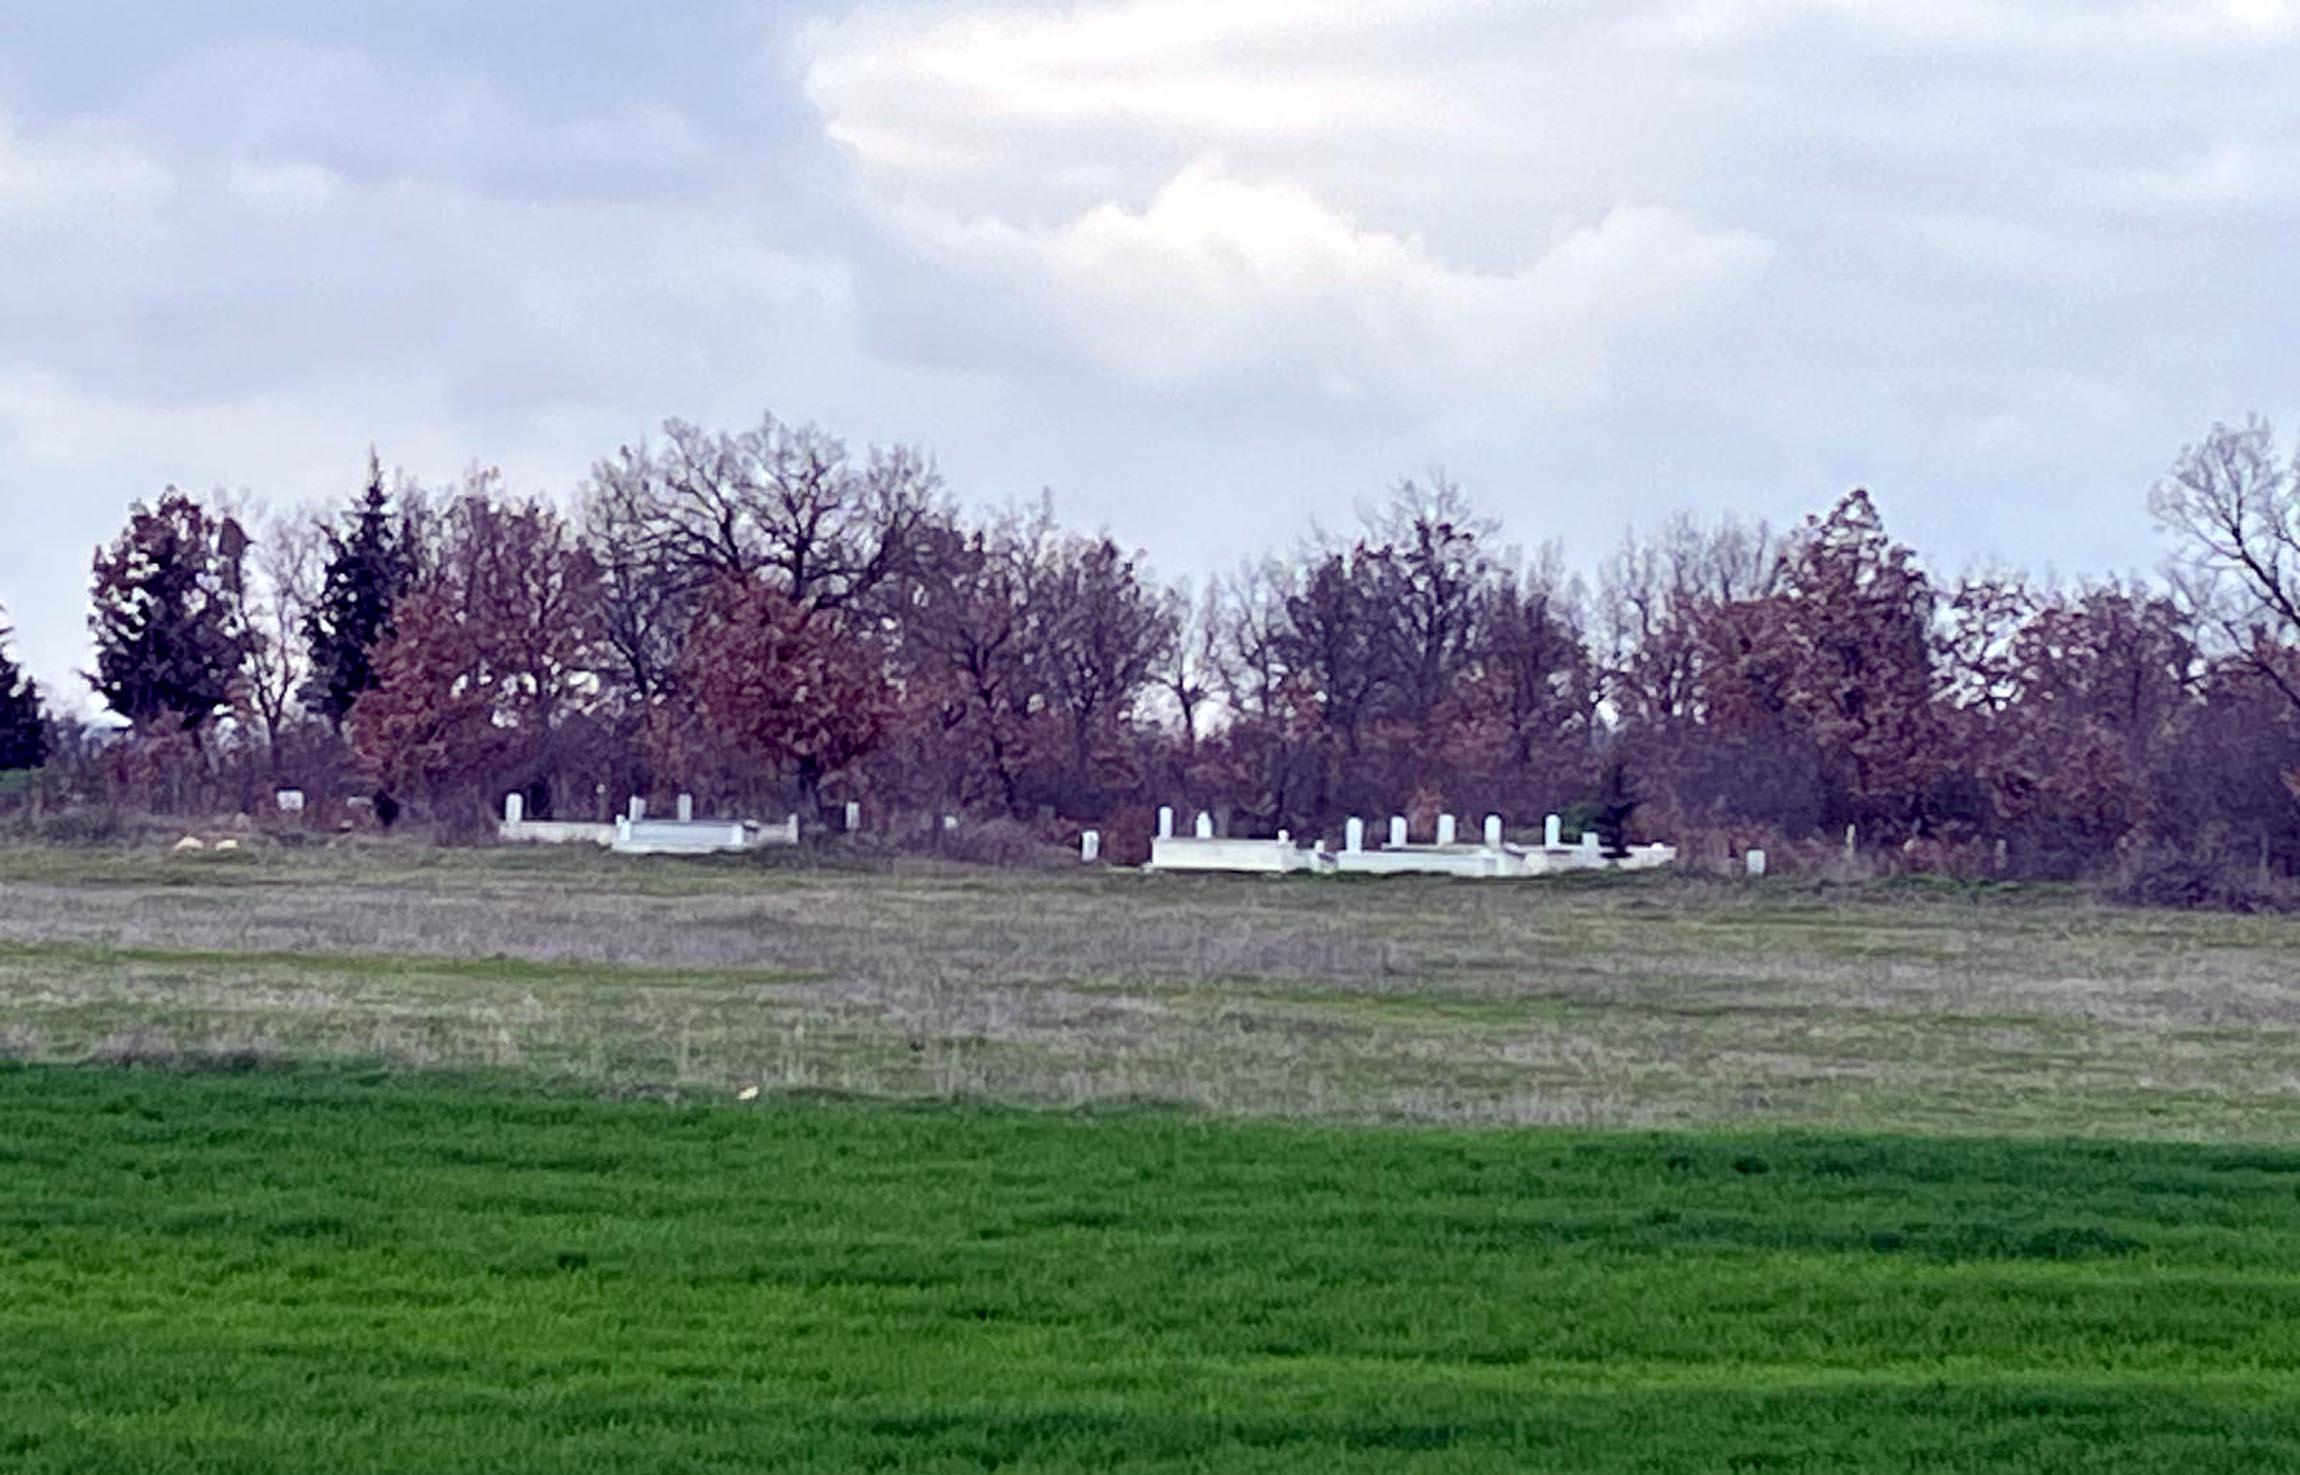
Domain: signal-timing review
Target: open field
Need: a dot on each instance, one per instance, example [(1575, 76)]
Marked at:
[(296, 1270), (366, 1188), (1648, 1003)]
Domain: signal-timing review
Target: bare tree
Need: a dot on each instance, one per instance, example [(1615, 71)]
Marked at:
[(1189, 669), (1250, 611), (288, 560), (969, 629), (2236, 508), (789, 502), (1105, 632), (647, 597), (1427, 553), (1650, 589)]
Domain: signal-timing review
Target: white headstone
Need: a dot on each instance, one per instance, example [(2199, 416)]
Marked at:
[(290, 801), (1493, 832), (854, 817), (1285, 837), (1553, 832), (1166, 822), (1756, 863), (1397, 831), (1205, 825), (1354, 835), (1852, 840), (950, 821), (686, 809), (791, 829), (1589, 841), (638, 808), (1445, 829), (1090, 846), (514, 808)]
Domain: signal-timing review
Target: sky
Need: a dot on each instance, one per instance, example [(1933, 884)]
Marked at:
[(1211, 270)]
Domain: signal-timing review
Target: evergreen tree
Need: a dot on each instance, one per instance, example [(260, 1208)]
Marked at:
[(23, 725), (166, 615), (368, 567)]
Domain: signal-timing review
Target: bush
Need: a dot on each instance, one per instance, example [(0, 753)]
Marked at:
[(1007, 843), (2155, 874)]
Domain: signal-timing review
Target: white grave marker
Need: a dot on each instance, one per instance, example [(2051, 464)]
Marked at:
[(1090, 846), (1756, 860), (514, 808), (1445, 829), (1205, 825), (1397, 831), (1493, 832), (686, 809), (1553, 832), (1166, 822), (1354, 835)]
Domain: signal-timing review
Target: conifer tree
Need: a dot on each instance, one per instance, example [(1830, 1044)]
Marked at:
[(368, 568), (23, 724), (166, 615)]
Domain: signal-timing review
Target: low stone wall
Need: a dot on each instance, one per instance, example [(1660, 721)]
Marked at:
[(1421, 860), (1273, 857), (698, 837), (552, 832)]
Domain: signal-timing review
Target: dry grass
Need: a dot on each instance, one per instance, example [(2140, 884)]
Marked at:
[(1666, 1003)]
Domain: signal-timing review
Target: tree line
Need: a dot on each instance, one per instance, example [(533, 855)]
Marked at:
[(773, 616)]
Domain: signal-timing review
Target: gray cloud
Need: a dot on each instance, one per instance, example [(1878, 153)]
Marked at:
[(1208, 269)]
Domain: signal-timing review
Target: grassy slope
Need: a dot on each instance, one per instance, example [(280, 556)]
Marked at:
[(1650, 1002), (321, 1271)]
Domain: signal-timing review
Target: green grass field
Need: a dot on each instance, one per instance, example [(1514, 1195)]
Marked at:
[(298, 1271), (389, 1159)]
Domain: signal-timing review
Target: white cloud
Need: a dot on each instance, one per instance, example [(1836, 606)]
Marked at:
[(66, 178), (1230, 283)]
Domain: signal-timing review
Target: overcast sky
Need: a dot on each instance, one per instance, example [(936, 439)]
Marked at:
[(1207, 268)]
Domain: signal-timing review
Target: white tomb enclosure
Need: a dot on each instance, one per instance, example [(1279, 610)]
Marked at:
[(1493, 859), (1421, 860), (1246, 857), (698, 836), (635, 834), (517, 829)]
